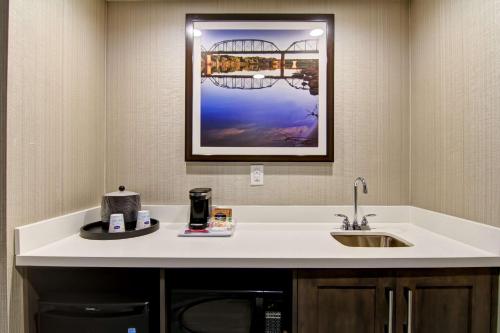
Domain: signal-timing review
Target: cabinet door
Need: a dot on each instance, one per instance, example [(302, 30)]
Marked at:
[(341, 302), (438, 301)]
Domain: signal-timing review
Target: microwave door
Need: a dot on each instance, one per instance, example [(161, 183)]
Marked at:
[(216, 315)]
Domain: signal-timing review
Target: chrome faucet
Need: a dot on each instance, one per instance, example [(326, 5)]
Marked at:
[(358, 180), (364, 221)]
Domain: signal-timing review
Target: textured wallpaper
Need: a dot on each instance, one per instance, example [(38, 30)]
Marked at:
[(56, 115), (4, 14), (455, 107), (145, 107)]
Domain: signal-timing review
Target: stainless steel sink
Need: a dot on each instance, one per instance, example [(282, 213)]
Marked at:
[(357, 239)]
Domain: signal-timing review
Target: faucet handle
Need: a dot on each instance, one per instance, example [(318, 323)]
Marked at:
[(345, 222), (343, 216), (364, 221)]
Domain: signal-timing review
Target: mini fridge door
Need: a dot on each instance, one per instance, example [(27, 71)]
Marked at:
[(56, 317)]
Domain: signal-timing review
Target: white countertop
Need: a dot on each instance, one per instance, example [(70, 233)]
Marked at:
[(265, 244)]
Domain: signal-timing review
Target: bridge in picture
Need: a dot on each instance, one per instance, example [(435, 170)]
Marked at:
[(257, 47)]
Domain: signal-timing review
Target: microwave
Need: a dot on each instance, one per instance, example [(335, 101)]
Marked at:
[(227, 311), (235, 303)]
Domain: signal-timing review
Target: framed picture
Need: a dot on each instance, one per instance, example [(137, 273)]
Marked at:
[(259, 87)]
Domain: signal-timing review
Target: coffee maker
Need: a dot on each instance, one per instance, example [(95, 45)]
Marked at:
[(201, 207)]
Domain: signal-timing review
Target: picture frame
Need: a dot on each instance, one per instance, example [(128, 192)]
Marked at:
[(259, 87)]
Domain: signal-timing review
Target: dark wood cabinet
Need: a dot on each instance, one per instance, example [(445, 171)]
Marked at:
[(397, 301), (343, 301), (440, 300)]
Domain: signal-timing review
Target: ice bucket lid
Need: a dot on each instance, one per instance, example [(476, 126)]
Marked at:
[(121, 193)]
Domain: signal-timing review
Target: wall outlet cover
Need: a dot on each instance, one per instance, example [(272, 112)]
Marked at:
[(257, 175)]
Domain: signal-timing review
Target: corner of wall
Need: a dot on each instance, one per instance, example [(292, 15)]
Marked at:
[(4, 27)]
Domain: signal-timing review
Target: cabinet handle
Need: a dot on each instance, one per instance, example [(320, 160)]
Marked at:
[(410, 305), (391, 310)]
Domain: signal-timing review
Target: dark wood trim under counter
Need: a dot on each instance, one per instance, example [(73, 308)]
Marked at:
[(458, 300)]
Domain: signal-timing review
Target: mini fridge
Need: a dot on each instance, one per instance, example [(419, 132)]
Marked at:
[(127, 317)]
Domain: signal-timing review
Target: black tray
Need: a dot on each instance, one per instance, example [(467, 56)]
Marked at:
[(95, 230)]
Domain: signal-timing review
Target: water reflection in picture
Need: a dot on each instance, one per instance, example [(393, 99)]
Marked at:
[(259, 88)]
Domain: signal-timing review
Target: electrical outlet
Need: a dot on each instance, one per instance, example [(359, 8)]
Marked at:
[(257, 175)]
